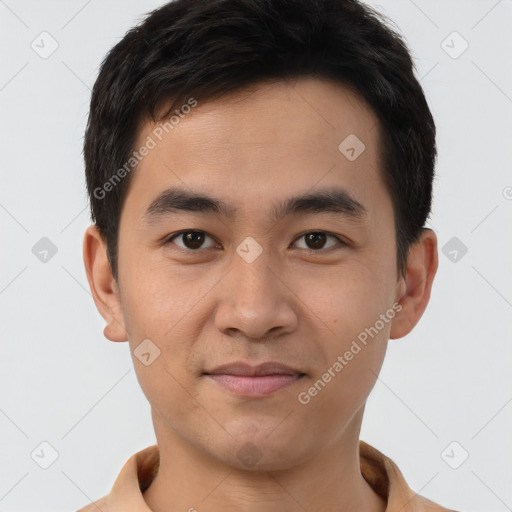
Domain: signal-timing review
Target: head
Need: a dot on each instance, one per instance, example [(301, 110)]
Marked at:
[(260, 175)]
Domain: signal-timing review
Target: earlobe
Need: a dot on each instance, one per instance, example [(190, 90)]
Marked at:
[(414, 289), (102, 284)]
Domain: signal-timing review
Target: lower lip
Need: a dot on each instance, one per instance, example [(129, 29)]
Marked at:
[(255, 386)]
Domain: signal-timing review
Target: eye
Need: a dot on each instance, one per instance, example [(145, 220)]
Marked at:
[(191, 240), (315, 240)]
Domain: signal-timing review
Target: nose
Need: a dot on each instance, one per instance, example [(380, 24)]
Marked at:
[(255, 300)]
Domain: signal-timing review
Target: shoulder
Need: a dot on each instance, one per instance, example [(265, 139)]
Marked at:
[(430, 506), (101, 504)]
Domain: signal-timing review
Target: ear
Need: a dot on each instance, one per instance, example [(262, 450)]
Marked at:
[(104, 289), (413, 290)]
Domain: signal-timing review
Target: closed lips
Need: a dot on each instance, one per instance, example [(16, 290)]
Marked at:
[(261, 370)]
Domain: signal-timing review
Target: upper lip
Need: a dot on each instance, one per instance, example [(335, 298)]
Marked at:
[(241, 368)]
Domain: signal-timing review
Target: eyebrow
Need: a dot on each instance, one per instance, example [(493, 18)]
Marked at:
[(332, 200)]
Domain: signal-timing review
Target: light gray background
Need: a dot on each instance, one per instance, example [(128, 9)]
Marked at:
[(62, 382)]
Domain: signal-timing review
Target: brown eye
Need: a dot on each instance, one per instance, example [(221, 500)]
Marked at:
[(192, 240), (315, 240)]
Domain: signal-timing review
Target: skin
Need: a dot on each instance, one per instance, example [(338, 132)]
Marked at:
[(208, 306)]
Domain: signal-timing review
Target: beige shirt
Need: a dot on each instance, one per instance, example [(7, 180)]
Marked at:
[(378, 470)]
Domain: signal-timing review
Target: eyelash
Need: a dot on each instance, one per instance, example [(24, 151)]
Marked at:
[(341, 242)]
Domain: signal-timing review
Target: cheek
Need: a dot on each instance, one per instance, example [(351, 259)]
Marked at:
[(341, 386), (335, 401), (354, 311), (347, 298), (155, 301), (171, 395)]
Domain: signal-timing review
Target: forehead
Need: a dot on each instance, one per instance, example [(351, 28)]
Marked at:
[(262, 142), (268, 112)]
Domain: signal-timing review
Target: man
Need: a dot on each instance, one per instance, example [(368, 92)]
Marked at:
[(260, 174)]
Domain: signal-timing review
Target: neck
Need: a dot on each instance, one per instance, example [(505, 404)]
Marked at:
[(189, 480)]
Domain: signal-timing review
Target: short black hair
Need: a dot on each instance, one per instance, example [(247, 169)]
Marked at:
[(205, 49)]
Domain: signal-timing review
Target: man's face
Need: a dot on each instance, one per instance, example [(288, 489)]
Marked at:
[(256, 286)]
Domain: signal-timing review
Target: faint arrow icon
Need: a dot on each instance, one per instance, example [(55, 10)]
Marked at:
[(249, 249)]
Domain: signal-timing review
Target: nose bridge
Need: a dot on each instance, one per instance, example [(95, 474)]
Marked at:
[(256, 301), (251, 270)]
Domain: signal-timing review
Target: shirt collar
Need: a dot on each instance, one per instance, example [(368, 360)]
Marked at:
[(381, 473)]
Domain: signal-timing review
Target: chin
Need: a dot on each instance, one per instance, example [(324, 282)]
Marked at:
[(263, 446)]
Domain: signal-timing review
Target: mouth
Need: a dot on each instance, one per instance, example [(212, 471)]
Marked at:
[(254, 381)]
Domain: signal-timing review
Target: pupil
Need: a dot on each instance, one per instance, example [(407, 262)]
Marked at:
[(318, 240), (193, 240)]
